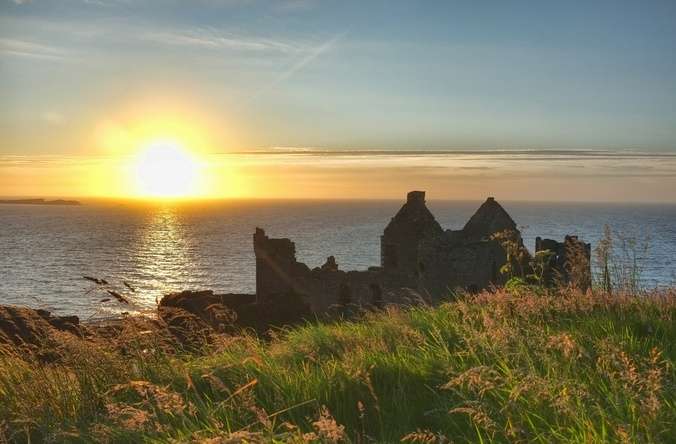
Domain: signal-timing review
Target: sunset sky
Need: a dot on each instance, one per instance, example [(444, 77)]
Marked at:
[(247, 98)]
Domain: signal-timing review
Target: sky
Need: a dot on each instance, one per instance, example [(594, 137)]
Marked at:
[(552, 100)]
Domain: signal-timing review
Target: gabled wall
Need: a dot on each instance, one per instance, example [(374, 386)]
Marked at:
[(419, 260)]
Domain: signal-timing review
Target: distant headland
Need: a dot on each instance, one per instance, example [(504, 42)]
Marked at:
[(39, 202)]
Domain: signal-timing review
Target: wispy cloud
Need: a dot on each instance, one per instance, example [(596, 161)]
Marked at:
[(504, 154), (309, 56), (30, 49), (313, 54), (514, 163), (211, 38), (648, 178)]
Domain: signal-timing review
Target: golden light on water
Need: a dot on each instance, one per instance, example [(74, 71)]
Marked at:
[(164, 256), (166, 169)]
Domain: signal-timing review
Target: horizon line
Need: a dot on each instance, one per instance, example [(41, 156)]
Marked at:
[(184, 200)]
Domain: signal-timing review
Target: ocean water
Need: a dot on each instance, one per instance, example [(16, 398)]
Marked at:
[(159, 248)]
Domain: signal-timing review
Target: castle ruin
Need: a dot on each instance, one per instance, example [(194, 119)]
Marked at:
[(419, 260)]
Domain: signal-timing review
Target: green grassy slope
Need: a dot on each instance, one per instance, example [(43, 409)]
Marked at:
[(491, 368)]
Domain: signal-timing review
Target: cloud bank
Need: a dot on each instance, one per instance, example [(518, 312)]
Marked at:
[(457, 175)]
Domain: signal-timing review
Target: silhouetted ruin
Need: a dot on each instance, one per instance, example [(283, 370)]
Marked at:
[(419, 261), (568, 261)]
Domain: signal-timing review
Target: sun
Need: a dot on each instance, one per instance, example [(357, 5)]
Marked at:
[(165, 169)]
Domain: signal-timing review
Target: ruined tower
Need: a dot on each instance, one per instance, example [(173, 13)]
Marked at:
[(569, 262), (489, 219), (401, 239), (275, 265)]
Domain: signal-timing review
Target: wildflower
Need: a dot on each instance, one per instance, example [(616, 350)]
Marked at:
[(128, 417), (566, 399), (327, 428), (425, 437), (477, 415), (239, 437), (289, 426), (477, 379), (165, 400), (643, 380), (262, 417), (652, 382), (565, 344), (623, 435), (215, 382), (100, 433), (365, 376), (310, 437), (534, 385)]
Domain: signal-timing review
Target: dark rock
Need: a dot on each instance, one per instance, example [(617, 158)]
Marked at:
[(188, 328), (228, 312), (70, 324), (218, 311), (32, 330)]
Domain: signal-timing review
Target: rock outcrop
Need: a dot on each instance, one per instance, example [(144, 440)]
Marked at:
[(203, 311), (35, 333)]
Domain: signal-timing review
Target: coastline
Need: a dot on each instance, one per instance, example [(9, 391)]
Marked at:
[(40, 202)]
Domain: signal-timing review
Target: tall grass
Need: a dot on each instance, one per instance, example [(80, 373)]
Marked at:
[(620, 261), (501, 367)]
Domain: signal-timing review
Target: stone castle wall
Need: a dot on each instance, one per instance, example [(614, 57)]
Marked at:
[(419, 261)]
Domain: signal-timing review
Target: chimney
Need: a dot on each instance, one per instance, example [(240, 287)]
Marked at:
[(415, 197)]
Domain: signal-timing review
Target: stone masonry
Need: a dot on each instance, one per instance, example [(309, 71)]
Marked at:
[(419, 261)]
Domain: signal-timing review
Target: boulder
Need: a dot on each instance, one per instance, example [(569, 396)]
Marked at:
[(227, 312), (277, 311), (218, 311), (33, 331), (188, 329)]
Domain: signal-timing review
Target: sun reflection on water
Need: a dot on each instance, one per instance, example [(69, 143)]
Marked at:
[(165, 257)]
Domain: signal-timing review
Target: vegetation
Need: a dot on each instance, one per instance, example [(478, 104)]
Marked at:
[(508, 366), (620, 260)]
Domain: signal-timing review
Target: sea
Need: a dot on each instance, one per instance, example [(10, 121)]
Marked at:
[(157, 248)]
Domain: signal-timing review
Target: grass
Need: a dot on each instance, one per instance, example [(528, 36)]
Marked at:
[(503, 367)]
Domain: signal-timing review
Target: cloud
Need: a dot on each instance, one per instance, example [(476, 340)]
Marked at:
[(211, 38), (506, 154), (300, 64), (497, 164), (25, 48), (445, 176), (313, 54)]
